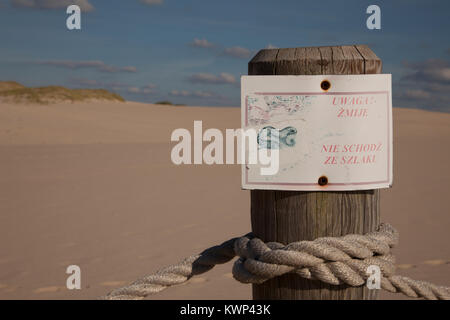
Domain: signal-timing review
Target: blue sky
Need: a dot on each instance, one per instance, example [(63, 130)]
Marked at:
[(194, 52)]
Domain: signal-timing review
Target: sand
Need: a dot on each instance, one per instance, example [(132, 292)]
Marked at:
[(92, 184)]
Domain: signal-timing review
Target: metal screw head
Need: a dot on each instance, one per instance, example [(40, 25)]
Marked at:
[(325, 85), (323, 180)]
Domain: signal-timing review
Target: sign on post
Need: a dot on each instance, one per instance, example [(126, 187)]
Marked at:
[(331, 132)]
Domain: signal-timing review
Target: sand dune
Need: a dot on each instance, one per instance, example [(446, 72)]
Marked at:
[(92, 184)]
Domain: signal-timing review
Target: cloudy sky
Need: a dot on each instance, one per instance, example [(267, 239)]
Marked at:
[(194, 52)]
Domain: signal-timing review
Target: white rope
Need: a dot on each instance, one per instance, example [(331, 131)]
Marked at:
[(333, 260)]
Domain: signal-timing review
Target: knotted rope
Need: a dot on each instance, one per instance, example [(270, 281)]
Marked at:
[(333, 260)]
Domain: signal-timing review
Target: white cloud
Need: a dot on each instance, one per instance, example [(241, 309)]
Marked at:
[(237, 52), (195, 94), (182, 93), (147, 89), (92, 64), (426, 85), (416, 94), (208, 78), (133, 90), (84, 5), (114, 86), (201, 43), (86, 82), (429, 70)]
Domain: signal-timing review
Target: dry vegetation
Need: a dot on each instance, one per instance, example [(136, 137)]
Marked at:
[(11, 91)]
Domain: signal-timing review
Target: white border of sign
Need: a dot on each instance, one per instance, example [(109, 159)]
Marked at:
[(377, 84)]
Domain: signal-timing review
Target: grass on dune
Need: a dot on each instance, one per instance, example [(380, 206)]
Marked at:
[(10, 85), (15, 92)]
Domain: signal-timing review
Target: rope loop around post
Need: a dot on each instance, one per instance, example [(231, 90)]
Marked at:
[(339, 260)]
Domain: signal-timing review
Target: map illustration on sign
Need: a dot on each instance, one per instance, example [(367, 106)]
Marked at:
[(339, 139), (264, 109)]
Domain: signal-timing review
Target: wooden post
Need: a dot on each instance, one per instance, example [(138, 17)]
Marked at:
[(287, 216)]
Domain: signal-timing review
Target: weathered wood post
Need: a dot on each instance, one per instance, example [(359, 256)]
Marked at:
[(287, 216)]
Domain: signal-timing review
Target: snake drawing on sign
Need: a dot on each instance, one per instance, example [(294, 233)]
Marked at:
[(271, 138)]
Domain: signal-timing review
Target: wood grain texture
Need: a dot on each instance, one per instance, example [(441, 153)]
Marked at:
[(287, 216)]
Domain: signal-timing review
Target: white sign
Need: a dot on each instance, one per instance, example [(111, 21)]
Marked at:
[(334, 132)]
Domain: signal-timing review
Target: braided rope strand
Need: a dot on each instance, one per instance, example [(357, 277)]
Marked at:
[(332, 260)]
